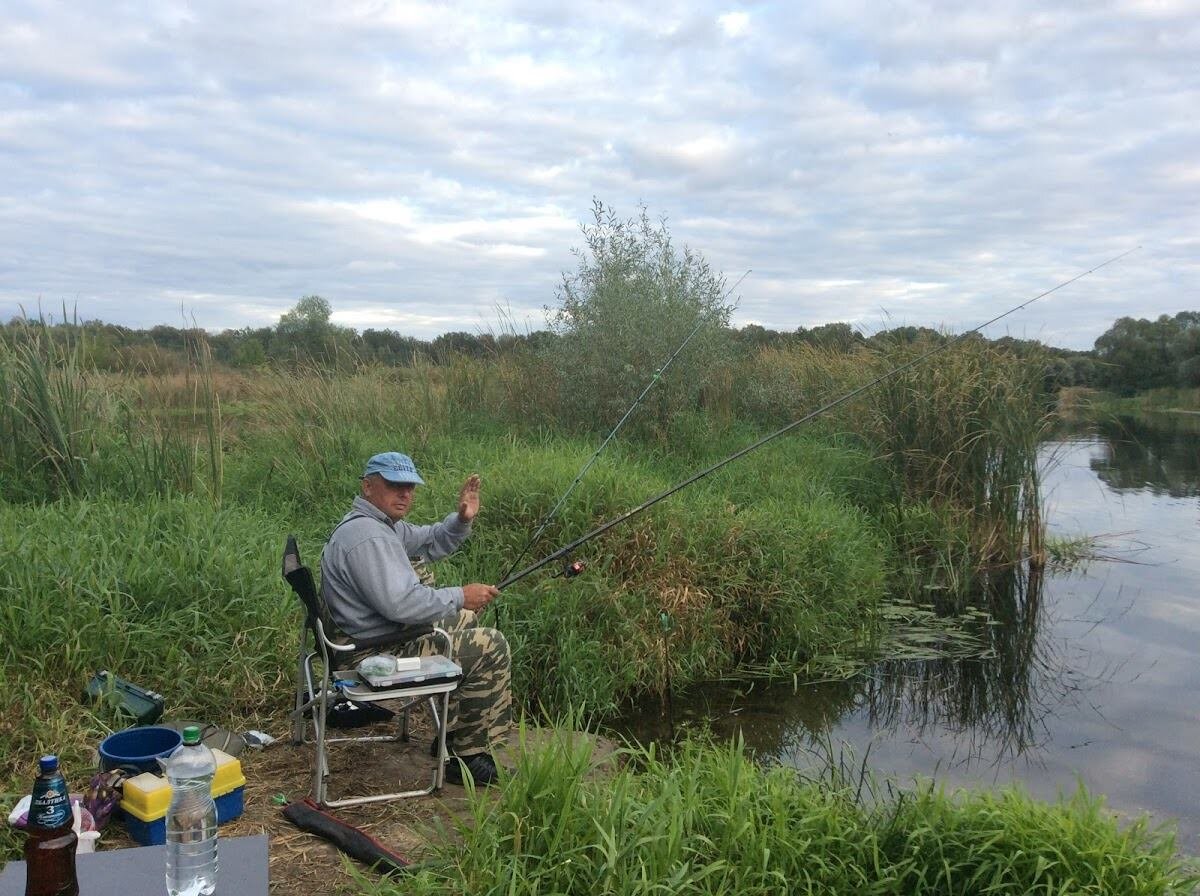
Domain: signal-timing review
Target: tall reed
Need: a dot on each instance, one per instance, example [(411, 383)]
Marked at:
[(67, 429), (47, 410), (960, 433)]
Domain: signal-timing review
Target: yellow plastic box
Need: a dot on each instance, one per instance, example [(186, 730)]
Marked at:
[(145, 799)]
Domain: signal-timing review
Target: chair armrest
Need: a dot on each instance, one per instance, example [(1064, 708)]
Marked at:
[(369, 643), (444, 637), (335, 646)]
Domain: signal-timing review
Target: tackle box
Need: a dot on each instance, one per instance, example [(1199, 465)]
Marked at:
[(146, 797)]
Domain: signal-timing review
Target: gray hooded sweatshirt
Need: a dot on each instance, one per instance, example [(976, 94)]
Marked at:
[(369, 583)]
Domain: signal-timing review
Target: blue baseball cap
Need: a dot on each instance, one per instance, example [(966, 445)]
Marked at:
[(394, 467)]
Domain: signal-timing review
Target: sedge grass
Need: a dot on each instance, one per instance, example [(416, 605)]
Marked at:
[(706, 820)]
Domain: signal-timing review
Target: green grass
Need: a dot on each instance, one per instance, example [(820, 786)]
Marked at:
[(706, 820), (175, 595), (183, 595), (1166, 399), (141, 520)]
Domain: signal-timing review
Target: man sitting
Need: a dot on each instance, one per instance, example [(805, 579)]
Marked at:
[(373, 592)]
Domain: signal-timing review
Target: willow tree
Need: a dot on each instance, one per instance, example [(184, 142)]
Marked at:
[(633, 299)]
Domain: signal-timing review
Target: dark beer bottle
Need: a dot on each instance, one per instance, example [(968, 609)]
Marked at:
[(50, 836)]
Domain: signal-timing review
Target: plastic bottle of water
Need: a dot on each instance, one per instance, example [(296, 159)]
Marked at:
[(191, 819)]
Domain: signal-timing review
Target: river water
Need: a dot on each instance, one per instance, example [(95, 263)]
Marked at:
[(1096, 672)]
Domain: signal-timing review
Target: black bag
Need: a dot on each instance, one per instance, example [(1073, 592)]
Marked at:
[(214, 737), (345, 713), (308, 816)]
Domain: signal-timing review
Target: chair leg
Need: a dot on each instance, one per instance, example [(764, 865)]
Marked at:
[(322, 773), (437, 720), (303, 678), (320, 756), (439, 771), (306, 701)]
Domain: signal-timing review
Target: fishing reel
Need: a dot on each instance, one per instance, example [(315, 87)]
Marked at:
[(570, 570)]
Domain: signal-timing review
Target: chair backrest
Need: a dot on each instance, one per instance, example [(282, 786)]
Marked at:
[(300, 577)]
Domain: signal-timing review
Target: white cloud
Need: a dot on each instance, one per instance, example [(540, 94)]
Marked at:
[(381, 318), (852, 156), (525, 73), (734, 24)]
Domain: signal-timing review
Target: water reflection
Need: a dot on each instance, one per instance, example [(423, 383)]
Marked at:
[(987, 710), (1157, 454), (1090, 675), (994, 705)]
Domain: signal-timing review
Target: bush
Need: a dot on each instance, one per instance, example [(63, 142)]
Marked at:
[(632, 302)]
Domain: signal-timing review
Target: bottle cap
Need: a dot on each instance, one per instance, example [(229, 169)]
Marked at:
[(191, 735), (48, 764)]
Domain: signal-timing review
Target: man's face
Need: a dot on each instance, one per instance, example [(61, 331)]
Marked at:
[(392, 498)]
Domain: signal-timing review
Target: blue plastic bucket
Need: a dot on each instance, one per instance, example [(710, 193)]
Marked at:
[(139, 748)]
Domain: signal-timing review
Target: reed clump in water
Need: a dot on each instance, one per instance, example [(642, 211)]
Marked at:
[(961, 437), (957, 434)]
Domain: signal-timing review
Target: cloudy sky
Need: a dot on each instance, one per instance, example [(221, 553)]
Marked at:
[(425, 166)]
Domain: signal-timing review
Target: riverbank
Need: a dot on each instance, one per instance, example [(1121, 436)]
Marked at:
[(706, 820), (301, 863), (576, 815), (1080, 402)]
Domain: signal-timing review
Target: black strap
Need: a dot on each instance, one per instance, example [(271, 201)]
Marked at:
[(351, 517)]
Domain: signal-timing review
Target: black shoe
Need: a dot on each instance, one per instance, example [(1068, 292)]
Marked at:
[(433, 744), (480, 768)]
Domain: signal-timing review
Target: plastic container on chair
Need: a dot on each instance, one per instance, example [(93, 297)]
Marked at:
[(191, 819)]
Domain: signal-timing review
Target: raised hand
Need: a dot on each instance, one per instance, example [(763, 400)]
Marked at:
[(468, 499)]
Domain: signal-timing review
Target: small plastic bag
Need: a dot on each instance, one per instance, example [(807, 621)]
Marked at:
[(378, 666), (84, 824)]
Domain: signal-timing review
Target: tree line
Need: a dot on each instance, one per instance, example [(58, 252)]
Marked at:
[(1133, 355), (632, 298)]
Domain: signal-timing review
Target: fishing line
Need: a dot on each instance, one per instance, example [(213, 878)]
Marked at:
[(565, 551), (587, 466)]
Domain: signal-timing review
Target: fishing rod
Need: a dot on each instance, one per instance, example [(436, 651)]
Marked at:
[(576, 567), (587, 466)]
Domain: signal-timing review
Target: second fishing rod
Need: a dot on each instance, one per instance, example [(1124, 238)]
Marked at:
[(579, 476), (567, 550), (654, 380)]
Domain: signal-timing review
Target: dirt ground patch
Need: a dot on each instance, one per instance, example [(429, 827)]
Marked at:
[(302, 863)]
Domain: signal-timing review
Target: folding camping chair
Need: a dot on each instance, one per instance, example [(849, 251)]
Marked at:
[(314, 693)]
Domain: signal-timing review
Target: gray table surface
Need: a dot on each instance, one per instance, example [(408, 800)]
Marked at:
[(241, 870)]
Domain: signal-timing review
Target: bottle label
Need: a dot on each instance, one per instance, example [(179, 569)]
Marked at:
[(50, 807)]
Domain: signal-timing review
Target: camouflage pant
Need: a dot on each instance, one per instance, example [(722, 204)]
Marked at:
[(481, 705)]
